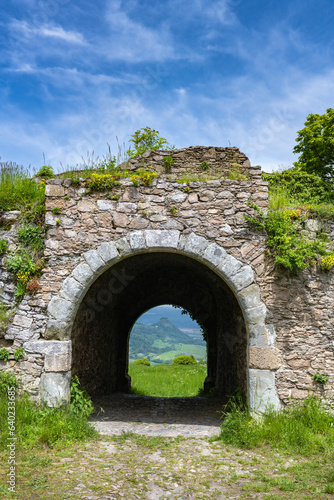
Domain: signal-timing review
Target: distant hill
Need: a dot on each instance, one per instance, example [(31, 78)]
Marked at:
[(161, 342)]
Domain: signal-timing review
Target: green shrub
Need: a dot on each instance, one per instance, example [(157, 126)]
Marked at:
[(300, 186), (304, 427), (45, 171), (5, 315), (142, 361), (19, 354), (205, 166), (327, 263), (147, 139), (55, 210), (288, 246), (31, 236), (168, 160), (7, 380), (321, 379), (3, 246), (184, 360), (4, 354), (102, 182), (80, 399)]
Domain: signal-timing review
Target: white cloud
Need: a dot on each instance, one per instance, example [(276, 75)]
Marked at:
[(47, 31)]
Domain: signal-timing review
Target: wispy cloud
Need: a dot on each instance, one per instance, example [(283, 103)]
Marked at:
[(47, 31)]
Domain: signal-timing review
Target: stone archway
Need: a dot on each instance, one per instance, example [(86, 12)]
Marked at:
[(94, 279)]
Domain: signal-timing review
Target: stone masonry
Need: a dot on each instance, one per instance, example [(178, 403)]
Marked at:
[(271, 330)]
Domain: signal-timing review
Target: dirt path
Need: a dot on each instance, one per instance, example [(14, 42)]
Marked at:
[(168, 417)]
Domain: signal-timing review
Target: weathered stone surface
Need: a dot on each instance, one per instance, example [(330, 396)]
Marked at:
[(52, 190), (162, 238), (229, 266), (243, 278), (137, 240), (22, 321), (178, 197), (105, 205), (250, 296), (57, 363), (61, 309), (193, 244), (55, 388), (94, 261), (262, 391), (108, 251), (56, 330), (214, 254), (265, 358), (71, 289), (83, 273), (86, 206)]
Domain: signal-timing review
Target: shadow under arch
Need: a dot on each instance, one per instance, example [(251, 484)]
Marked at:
[(100, 346), (86, 293)]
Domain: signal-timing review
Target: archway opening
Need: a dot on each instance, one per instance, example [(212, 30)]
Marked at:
[(100, 333), (167, 354)]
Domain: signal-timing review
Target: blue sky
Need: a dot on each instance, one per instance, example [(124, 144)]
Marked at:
[(246, 73)]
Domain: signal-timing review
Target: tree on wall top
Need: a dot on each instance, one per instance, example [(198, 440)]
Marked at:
[(316, 145), (147, 139)]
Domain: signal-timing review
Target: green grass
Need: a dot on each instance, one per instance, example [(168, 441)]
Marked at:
[(167, 380), (303, 427), (16, 188)]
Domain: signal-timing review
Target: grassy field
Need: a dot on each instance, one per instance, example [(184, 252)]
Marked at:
[(167, 380)]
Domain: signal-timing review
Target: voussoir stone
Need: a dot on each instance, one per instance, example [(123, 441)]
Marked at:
[(83, 273), (214, 254), (193, 244), (71, 289), (161, 238), (61, 309), (108, 251), (137, 240), (94, 260)]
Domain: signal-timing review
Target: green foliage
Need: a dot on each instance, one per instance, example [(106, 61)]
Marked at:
[(19, 354), (321, 379), (205, 166), (3, 246), (31, 237), (55, 210), (297, 186), (45, 171), (147, 139), (142, 361), (234, 173), (288, 246), (304, 427), (168, 162), (16, 188), (167, 380), (80, 399), (40, 426), (7, 380), (5, 315), (316, 145), (4, 354), (103, 182), (21, 263), (173, 210), (146, 176), (184, 360)]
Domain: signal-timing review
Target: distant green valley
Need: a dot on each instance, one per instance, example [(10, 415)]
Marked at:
[(162, 341)]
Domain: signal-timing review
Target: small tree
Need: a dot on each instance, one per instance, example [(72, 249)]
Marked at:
[(147, 139), (316, 145)]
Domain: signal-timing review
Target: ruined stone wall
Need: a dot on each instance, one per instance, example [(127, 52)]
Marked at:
[(300, 309)]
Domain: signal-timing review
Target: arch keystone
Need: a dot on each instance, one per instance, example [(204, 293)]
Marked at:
[(162, 238)]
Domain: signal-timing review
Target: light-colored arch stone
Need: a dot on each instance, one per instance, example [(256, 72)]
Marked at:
[(263, 356)]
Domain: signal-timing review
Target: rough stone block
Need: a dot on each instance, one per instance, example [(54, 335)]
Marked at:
[(123, 247), (83, 273), (54, 190), (137, 240), (243, 278), (262, 391), (22, 321), (229, 266), (56, 330), (250, 296), (94, 261), (86, 206), (49, 347), (108, 251), (257, 335), (55, 388), (162, 238), (57, 362), (61, 309), (265, 358), (71, 289), (256, 315), (193, 244), (178, 197), (105, 205), (214, 254)]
